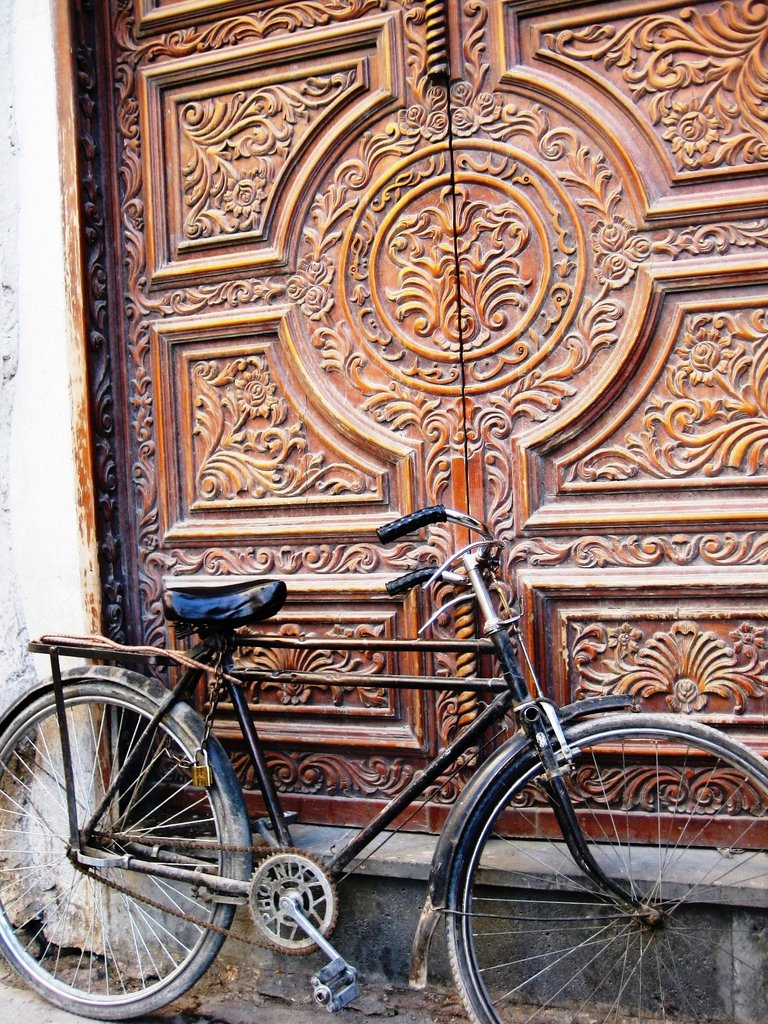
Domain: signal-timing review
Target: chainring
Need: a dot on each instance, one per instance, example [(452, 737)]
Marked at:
[(296, 874)]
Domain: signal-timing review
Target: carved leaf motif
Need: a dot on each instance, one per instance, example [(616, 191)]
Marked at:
[(250, 446), (489, 240), (634, 550), (235, 146), (686, 664), (668, 788), (702, 72), (713, 238), (710, 416), (274, 20), (331, 774)]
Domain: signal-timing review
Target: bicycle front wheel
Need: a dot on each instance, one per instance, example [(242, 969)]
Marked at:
[(673, 811), (104, 941)]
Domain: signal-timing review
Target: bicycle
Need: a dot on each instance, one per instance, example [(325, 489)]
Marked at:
[(572, 874)]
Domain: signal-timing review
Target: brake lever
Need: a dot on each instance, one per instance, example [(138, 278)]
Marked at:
[(442, 570), (459, 599)]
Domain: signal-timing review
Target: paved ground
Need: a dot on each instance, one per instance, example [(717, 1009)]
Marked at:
[(230, 996)]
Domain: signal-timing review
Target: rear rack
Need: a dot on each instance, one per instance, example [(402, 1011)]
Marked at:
[(100, 649)]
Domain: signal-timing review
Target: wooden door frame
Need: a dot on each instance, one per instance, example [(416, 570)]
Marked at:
[(76, 305)]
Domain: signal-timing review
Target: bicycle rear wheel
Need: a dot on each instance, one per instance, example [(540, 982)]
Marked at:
[(104, 941), (677, 814)]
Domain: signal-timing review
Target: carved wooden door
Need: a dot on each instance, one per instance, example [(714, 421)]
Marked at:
[(340, 290)]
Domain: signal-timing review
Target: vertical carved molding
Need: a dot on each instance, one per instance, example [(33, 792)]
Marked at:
[(100, 370)]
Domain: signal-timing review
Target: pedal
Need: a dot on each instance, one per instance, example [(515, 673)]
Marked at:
[(335, 985)]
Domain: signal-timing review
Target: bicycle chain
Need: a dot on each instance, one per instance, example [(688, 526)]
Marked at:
[(258, 851)]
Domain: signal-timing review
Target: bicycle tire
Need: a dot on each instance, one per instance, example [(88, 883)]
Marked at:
[(672, 809), (82, 943)]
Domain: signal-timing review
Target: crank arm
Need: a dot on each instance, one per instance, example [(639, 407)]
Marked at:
[(335, 985)]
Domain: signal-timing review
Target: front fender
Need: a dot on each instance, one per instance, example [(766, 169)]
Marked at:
[(452, 833)]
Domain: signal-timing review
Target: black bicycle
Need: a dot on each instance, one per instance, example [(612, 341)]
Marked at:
[(576, 872)]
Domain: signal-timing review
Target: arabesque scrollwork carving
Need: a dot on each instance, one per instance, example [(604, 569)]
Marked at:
[(234, 147), (249, 443), (709, 416), (699, 71), (644, 551)]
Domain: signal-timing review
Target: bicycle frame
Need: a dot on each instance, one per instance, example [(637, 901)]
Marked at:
[(536, 716), (184, 688)]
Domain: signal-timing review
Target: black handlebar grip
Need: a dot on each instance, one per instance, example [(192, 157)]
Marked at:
[(402, 584), (409, 524)]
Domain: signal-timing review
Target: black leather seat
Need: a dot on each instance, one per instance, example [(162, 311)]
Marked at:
[(228, 604)]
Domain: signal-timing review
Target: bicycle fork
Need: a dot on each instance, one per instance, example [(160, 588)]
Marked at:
[(542, 725)]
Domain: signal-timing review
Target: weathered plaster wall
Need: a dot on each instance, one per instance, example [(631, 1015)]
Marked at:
[(41, 582)]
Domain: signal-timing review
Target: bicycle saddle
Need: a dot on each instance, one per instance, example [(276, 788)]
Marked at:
[(230, 604)]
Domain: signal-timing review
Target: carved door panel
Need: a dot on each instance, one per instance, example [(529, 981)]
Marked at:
[(337, 292), (621, 420), (283, 371)]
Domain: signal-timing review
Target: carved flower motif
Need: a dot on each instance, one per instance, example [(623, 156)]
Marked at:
[(705, 354), (245, 199), (420, 122), (685, 664), (254, 391), (748, 638), (691, 129), (470, 113), (686, 696), (619, 251), (310, 287), (625, 639)]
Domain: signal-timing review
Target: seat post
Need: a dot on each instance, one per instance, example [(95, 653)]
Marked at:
[(259, 760)]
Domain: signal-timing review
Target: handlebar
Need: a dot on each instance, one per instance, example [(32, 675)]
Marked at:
[(415, 521), (409, 524), (426, 517), (402, 584)]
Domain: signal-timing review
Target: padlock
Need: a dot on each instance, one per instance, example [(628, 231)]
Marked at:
[(201, 770)]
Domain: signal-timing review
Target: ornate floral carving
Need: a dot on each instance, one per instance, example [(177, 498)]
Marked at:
[(310, 286), (709, 417), (250, 446), (100, 369), (620, 251), (330, 774), (234, 147), (708, 239), (303, 692), (635, 550), (488, 240), (686, 664), (551, 197), (699, 73), (273, 20), (668, 789)]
